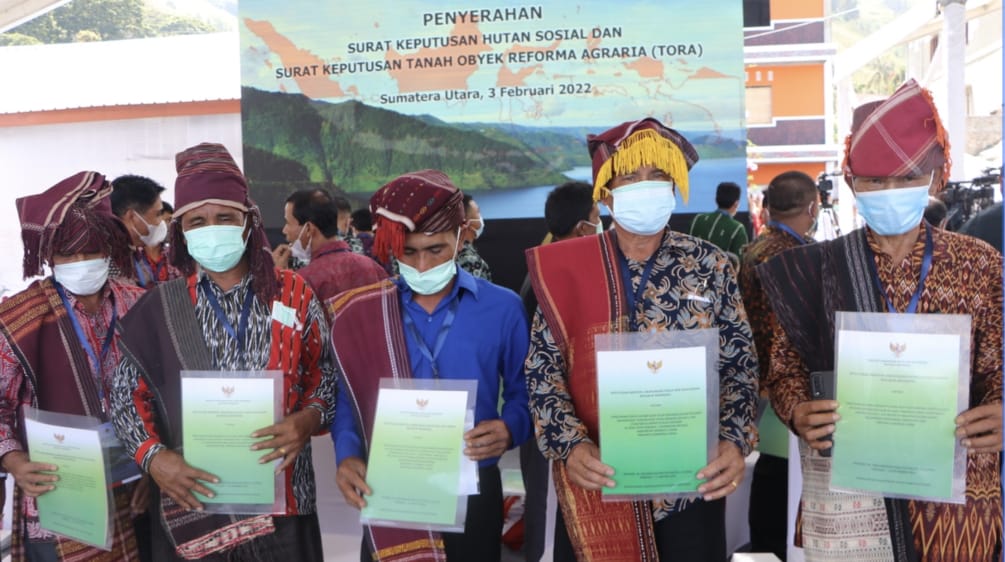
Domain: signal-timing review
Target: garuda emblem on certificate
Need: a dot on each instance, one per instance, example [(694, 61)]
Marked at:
[(898, 349), (654, 366)]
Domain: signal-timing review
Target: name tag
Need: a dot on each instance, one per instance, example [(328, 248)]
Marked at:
[(285, 315)]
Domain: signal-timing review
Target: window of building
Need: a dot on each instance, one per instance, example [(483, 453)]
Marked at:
[(756, 13), (759, 105)]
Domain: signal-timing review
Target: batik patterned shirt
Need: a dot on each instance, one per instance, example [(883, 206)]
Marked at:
[(771, 242), (692, 286), (965, 278), (469, 260), (317, 383)]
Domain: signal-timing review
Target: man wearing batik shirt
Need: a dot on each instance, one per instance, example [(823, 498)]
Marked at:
[(58, 350), (136, 200), (468, 257), (671, 281), (234, 312), (437, 321), (793, 203), (897, 155)]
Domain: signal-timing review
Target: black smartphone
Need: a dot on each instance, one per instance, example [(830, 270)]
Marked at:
[(822, 388)]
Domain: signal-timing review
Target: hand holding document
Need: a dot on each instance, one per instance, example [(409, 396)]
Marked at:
[(658, 396), (77, 503), (902, 379), (416, 469), (221, 411)]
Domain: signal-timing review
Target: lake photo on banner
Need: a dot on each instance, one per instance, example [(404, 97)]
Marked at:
[(528, 202)]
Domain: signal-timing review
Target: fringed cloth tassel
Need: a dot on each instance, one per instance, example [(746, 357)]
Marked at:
[(644, 148)]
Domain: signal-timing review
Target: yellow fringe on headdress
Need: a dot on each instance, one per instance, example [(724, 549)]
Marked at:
[(644, 148)]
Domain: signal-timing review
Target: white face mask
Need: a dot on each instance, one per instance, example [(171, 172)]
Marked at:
[(155, 233), (298, 250), (82, 278), (480, 229), (434, 279), (598, 226), (644, 207)]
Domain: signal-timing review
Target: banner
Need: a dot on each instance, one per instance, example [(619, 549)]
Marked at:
[(499, 96)]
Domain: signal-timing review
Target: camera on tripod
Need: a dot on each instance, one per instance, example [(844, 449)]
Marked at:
[(825, 185)]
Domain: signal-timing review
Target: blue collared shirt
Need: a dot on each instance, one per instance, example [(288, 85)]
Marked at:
[(488, 340)]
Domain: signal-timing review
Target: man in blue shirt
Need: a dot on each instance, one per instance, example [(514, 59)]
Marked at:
[(451, 326)]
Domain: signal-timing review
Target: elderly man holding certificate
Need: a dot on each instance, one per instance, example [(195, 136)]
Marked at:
[(196, 399), (918, 396), (641, 345)]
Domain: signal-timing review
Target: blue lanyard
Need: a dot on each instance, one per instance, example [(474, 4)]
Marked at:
[(788, 230), (626, 279), (242, 325), (926, 268), (441, 337), (96, 361), (148, 267)]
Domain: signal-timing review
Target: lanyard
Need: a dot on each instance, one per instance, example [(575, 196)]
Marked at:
[(626, 278), (926, 268), (96, 361), (788, 230), (441, 337), (143, 265), (242, 326)]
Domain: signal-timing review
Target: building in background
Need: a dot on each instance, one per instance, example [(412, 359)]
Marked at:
[(116, 107), (788, 56)]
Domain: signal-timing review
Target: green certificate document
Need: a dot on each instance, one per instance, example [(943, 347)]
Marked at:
[(414, 467), (218, 417), (898, 396), (79, 506), (653, 419)]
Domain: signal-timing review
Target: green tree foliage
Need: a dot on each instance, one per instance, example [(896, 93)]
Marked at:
[(887, 71), (358, 148), (17, 39), (95, 20)]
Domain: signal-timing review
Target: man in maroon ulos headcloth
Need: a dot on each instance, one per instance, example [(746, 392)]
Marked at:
[(232, 312), (638, 277), (436, 322), (896, 157), (59, 349)]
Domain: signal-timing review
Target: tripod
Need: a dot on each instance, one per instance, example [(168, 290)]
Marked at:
[(828, 227)]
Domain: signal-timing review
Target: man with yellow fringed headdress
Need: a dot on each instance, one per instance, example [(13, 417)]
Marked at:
[(638, 277), (897, 156)]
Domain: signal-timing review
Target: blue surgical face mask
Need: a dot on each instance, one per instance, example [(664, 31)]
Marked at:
[(644, 207), (216, 248), (889, 212)]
